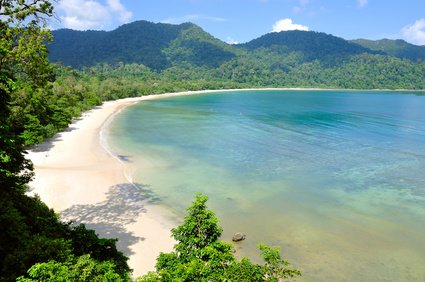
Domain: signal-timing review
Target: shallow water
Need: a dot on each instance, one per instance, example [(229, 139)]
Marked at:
[(336, 178)]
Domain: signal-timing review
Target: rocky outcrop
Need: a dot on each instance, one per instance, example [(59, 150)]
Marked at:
[(238, 237)]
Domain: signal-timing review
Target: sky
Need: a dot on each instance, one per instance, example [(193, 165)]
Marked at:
[(239, 21)]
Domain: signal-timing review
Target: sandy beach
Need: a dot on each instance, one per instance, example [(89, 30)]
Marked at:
[(77, 177), (80, 179)]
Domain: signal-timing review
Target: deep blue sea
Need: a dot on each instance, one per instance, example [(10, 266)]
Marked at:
[(336, 178)]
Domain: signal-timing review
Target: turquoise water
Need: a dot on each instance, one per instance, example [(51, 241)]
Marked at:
[(336, 178)]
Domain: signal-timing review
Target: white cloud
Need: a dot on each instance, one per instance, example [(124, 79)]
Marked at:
[(415, 33), (90, 14), (287, 24), (191, 18), (117, 7), (361, 3), (230, 40)]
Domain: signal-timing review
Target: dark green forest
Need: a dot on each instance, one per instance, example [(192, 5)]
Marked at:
[(44, 88), (31, 232), (188, 55), (397, 48)]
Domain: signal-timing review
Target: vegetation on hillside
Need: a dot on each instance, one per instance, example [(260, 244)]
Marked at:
[(184, 57), (397, 48), (157, 46), (199, 255), (30, 231), (312, 45)]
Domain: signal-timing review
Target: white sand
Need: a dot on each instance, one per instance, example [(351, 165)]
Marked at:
[(78, 178)]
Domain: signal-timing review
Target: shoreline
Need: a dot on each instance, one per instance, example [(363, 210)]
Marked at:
[(78, 176)]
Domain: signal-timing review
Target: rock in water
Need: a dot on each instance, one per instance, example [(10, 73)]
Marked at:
[(238, 237)]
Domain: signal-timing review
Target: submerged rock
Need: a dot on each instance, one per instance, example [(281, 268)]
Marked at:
[(238, 237)]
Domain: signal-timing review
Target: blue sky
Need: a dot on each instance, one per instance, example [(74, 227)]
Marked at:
[(243, 20)]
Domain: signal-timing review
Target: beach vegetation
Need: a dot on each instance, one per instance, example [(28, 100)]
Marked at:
[(200, 255), (83, 268), (31, 233), (39, 99)]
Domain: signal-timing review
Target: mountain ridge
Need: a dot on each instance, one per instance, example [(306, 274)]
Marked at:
[(160, 46), (182, 53), (108, 46), (314, 45), (394, 47)]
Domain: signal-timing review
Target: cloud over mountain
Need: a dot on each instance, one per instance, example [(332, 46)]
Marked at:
[(415, 32), (287, 24), (83, 15)]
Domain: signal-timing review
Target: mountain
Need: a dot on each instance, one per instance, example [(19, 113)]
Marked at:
[(184, 56), (194, 46), (397, 48), (312, 45), (156, 46), (160, 46)]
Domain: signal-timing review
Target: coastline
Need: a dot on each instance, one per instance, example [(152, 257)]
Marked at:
[(77, 176), (82, 180)]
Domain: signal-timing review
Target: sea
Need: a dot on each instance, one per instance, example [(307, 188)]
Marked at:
[(335, 178)]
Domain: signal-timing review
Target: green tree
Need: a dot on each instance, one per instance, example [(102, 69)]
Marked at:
[(23, 63), (83, 268), (32, 233), (199, 255)]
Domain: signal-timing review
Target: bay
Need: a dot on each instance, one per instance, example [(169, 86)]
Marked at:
[(336, 178)]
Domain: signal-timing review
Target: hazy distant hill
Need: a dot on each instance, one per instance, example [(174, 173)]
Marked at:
[(397, 48)]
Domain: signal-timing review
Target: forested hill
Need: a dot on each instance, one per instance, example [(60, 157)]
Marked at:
[(156, 46), (188, 58), (397, 48), (160, 46), (312, 45)]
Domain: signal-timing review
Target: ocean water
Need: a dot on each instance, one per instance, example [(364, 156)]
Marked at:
[(335, 178)]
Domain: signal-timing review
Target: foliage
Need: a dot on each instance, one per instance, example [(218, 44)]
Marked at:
[(32, 233), (397, 48), (29, 111), (194, 60), (195, 47), (313, 45), (86, 241), (23, 63), (140, 42), (83, 268), (199, 255)]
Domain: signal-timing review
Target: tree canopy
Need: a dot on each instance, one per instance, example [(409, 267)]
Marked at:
[(23, 64), (199, 255), (31, 233)]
